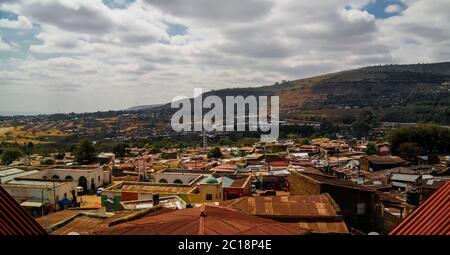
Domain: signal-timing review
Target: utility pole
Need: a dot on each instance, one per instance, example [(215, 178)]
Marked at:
[(205, 140), (54, 194)]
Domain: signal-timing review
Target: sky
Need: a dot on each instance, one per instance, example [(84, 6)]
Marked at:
[(98, 55)]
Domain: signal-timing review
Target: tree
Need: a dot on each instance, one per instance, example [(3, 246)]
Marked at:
[(85, 152), (360, 128), (371, 149), (10, 155), (120, 150), (47, 161), (420, 139), (410, 151), (29, 148), (59, 156), (215, 153)]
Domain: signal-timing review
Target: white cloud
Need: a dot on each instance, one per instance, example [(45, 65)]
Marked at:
[(4, 46), (128, 55), (21, 23), (393, 8)]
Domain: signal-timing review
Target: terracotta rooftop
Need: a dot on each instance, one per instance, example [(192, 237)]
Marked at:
[(430, 218), (15, 220), (204, 220)]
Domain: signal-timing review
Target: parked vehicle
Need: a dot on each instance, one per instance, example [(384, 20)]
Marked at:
[(99, 191), (268, 193), (80, 190)]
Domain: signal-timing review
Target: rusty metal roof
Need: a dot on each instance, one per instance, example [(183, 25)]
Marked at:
[(163, 189), (204, 220), (382, 160), (74, 221), (298, 206), (430, 218), (315, 212), (15, 220)]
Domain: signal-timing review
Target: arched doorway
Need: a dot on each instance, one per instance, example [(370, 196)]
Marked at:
[(93, 184), (82, 182), (178, 181), (69, 177), (55, 177), (163, 181)]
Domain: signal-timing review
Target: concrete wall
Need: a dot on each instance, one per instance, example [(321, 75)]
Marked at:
[(185, 178), (96, 176), (36, 193)]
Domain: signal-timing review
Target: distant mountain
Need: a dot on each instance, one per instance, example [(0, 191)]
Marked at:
[(143, 107), (397, 93)]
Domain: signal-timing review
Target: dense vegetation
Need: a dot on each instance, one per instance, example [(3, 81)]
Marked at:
[(423, 139)]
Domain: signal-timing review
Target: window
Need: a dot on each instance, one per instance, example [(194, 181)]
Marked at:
[(209, 196), (361, 209)]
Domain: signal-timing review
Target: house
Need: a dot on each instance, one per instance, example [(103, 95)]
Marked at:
[(224, 168), (85, 222), (318, 213), (90, 178), (238, 186), (11, 173), (377, 163), (402, 181), (40, 196), (359, 205), (430, 218), (203, 220), (15, 220), (125, 191)]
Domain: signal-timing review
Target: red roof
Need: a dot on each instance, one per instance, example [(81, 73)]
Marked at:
[(279, 163), (204, 220), (15, 220), (430, 218)]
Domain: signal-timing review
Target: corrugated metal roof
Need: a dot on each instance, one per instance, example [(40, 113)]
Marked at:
[(301, 206), (430, 218), (169, 189), (314, 212), (204, 220), (15, 220), (404, 177), (385, 160)]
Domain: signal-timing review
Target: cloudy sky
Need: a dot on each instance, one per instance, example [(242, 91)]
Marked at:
[(89, 55)]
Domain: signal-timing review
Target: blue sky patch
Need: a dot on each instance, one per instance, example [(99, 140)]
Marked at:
[(377, 8), (177, 29), (118, 4)]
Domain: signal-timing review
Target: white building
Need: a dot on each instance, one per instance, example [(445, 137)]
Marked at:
[(87, 177), (35, 193)]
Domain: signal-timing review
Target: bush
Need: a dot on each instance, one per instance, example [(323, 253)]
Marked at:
[(85, 152), (215, 153), (420, 139), (10, 155)]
